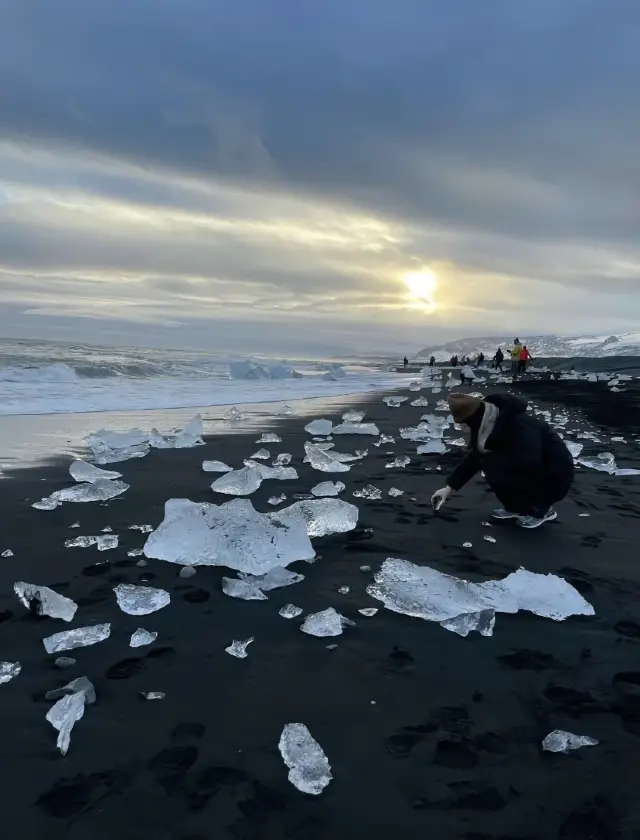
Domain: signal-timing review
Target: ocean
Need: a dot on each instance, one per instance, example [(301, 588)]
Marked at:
[(38, 378)]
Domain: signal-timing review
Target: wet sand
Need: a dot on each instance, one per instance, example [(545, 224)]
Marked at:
[(428, 734)]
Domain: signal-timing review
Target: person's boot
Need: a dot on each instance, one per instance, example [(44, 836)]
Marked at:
[(536, 521), (503, 514)]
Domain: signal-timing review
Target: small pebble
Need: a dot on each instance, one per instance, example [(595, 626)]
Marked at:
[(187, 572), (344, 590), (64, 662), (141, 563), (490, 539), (467, 545)]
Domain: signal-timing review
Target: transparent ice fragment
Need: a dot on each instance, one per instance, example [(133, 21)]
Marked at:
[(241, 482), (64, 714), (216, 467), (77, 638), (290, 611), (467, 545), (574, 448), (399, 463), (75, 525), (368, 611), (134, 552), (7, 553), (186, 572), (319, 427), (357, 429), (283, 460), (395, 492), (344, 590), (605, 462), (107, 529), (140, 600), (368, 492), (79, 684), (80, 542), (142, 637), (239, 649), (325, 623), (153, 695), (234, 414), (242, 589), (45, 601), (384, 439), (415, 386), (273, 473), (483, 622), (421, 402), (322, 517), (275, 578), (489, 539), (261, 455), (269, 437), (323, 461), (432, 447), (82, 471), (187, 436), (287, 410), (234, 535), (107, 542), (394, 402), (277, 500), (309, 768), (353, 416), (560, 741), (9, 670), (458, 442), (99, 491), (328, 488), (113, 447)]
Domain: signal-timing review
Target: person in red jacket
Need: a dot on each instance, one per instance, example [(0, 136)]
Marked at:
[(525, 356)]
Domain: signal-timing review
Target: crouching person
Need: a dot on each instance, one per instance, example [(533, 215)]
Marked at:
[(525, 462)]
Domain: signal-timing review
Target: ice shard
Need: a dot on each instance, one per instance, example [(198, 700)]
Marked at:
[(107, 542), (574, 448), (395, 492), (277, 500), (309, 768), (560, 741), (140, 600), (63, 716), (323, 461), (142, 637), (290, 611), (113, 447), (275, 578), (273, 473), (482, 622), (234, 415), (7, 553), (287, 410), (368, 612), (216, 467), (239, 649), (319, 427), (605, 462), (327, 488), (77, 638), (242, 589), (357, 429), (269, 437), (353, 416), (99, 491), (432, 447), (241, 482), (261, 455), (9, 670), (326, 623), (322, 516), (82, 471), (398, 463), (421, 402), (283, 460), (368, 492), (45, 601), (234, 535), (394, 402)]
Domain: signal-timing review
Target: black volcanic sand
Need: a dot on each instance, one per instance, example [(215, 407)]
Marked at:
[(428, 734)]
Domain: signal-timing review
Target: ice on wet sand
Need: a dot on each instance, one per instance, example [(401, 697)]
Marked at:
[(140, 600), (357, 429), (368, 492), (241, 482), (98, 491), (328, 622), (63, 716), (46, 601), (9, 670), (560, 741), (327, 488), (605, 462), (309, 768), (290, 611), (482, 622), (353, 416), (142, 637), (239, 649), (77, 638), (324, 461), (83, 471), (322, 516), (216, 467), (319, 427)]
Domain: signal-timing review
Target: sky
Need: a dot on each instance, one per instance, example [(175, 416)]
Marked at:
[(297, 176)]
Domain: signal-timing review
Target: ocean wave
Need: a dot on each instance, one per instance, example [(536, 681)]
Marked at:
[(63, 372), (57, 372)]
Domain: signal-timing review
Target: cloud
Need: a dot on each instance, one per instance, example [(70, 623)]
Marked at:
[(170, 163)]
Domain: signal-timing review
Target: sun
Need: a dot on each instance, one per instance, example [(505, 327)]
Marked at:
[(421, 284)]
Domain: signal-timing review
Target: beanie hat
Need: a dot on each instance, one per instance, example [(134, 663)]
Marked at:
[(463, 406)]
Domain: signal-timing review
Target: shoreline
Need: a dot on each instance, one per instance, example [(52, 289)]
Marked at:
[(425, 731)]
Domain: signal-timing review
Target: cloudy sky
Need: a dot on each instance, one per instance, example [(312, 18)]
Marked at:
[(318, 175)]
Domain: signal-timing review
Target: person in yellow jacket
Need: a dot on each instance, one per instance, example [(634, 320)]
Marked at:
[(515, 358)]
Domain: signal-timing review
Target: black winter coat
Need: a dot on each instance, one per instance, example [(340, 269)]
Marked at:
[(521, 450)]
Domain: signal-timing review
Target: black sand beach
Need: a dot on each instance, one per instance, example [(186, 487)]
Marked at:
[(428, 734)]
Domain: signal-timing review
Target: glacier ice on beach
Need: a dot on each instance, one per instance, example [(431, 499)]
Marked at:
[(111, 447), (216, 467), (356, 429), (394, 402), (261, 455), (7, 553), (283, 459), (368, 492), (323, 461), (327, 488), (269, 437), (421, 402), (234, 415), (626, 472), (395, 492), (140, 600), (233, 534), (423, 592), (415, 386), (239, 649), (287, 410), (353, 416), (273, 473), (142, 637), (432, 447), (104, 542), (560, 741), (309, 768), (605, 462), (275, 578), (242, 589), (320, 427), (64, 714), (46, 601), (277, 500), (99, 491), (326, 623), (322, 516), (290, 611), (368, 612), (574, 448), (242, 482), (400, 463), (77, 638), (8, 671), (482, 622), (83, 471)]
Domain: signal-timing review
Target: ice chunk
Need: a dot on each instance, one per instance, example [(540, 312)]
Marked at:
[(415, 386), (234, 414), (357, 429), (384, 439), (574, 448), (325, 623), (153, 695), (79, 684), (328, 488), (64, 714), (99, 491), (309, 768), (353, 416), (458, 442), (432, 447), (368, 492), (335, 373), (144, 529), (140, 600), (107, 542), (241, 482), (112, 447), (398, 463), (344, 590), (287, 410), (82, 471), (142, 637), (7, 553), (605, 462), (275, 578), (323, 461), (80, 542), (188, 435), (483, 622), (269, 437), (45, 601), (395, 492), (322, 516), (9, 670), (560, 741), (394, 402), (239, 649), (368, 611), (277, 500), (136, 552), (77, 638), (283, 460), (489, 539), (421, 402), (216, 466), (290, 611), (273, 473), (320, 427), (261, 455), (232, 535), (242, 589), (422, 592)]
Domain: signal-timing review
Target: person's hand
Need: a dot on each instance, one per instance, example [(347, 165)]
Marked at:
[(440, 497)]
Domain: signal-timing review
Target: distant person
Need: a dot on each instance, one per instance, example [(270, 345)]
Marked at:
[(525, 356), (525, 462), (480, 360), (432, 361), (498, 359), (515, 359), (406, 362), (454, 361)]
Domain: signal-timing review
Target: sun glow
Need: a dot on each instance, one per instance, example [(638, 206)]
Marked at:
[(421, 285)]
